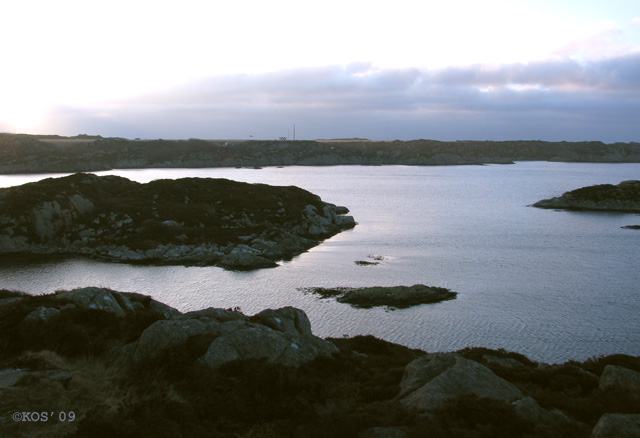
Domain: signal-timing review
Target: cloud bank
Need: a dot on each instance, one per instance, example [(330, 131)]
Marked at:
[(561, 99)]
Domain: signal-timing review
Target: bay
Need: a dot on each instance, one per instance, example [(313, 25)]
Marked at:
[(554, 285)]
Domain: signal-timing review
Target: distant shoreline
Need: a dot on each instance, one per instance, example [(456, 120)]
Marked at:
[(21, 153)]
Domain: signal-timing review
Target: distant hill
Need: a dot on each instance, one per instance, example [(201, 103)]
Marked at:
[(34, 154)]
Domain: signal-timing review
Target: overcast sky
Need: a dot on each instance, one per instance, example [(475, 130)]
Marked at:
[(402, 69)]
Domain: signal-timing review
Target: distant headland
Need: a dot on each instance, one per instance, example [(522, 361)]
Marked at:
[(22, 153)]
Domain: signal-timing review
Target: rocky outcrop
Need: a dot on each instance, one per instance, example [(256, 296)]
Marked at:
[(625, 197), (617, 426), (617, 377), (281, 336), (192, 221), (392, 296), (431, 380)]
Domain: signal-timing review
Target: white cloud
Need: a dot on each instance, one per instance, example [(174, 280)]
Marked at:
[(552, 100)]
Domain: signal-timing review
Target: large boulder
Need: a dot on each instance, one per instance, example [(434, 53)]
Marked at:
[(619, 377), (118, 303), (528, 409), (287, 319), (281, 336), (432, 379), (617, 426), (99, 299), (164, 335)]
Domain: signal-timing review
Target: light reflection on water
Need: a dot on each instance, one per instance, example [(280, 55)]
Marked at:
[(553, 285)]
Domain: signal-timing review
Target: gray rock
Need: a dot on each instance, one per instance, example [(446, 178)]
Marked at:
[(10, 376), (506, 362), (619, 377), (99, 299), (220, 315), (9, 300), (163, 335), (617, 426), (528, 409), (281, 336), (384, 432), (254, 342), (163, 309), (42, 314), (287, 319), (118, 303), (431, 380), (241, 258)]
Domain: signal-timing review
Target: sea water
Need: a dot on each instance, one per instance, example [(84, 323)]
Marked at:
[(554, 285)]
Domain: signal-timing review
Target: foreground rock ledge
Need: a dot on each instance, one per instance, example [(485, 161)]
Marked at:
[(127, 364), (190, 221), (395, 297), (625, 197)]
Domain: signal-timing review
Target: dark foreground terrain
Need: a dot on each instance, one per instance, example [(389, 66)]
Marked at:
[(33, 154), (124, 365), (190, 221)]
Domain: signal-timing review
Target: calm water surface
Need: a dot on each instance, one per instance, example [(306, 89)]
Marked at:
[(550, 284)]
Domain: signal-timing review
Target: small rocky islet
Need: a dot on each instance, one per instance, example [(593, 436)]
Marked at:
[(392, 297), (190, 221), (123, 364), (624, 197)]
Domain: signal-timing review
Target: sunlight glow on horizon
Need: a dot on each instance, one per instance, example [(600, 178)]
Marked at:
[(78, 54)]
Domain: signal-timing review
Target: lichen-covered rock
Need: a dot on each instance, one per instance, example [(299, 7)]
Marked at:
[(99, 299), (261, 342), (614, 377), (528, 409), (281, 336), (118, 303), (42, 314), (287, 319), (617, 426), (432, 379), (163, 335)]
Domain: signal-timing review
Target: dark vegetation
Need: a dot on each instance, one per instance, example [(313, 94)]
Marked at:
[(24, 153), (339, 396), (622, 197), (185, 211)]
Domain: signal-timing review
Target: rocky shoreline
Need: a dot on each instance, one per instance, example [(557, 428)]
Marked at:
[(123, 364), (191, 221), (624, 197)]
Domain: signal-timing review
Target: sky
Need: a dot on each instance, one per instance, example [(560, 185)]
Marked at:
[(456, 70)]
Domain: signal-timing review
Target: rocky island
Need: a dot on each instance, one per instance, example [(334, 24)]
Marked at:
[(191, 221), (624, 197), (94, 362), (394, 297)]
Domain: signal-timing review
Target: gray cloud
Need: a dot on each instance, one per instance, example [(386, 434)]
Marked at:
[(552, 100)]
